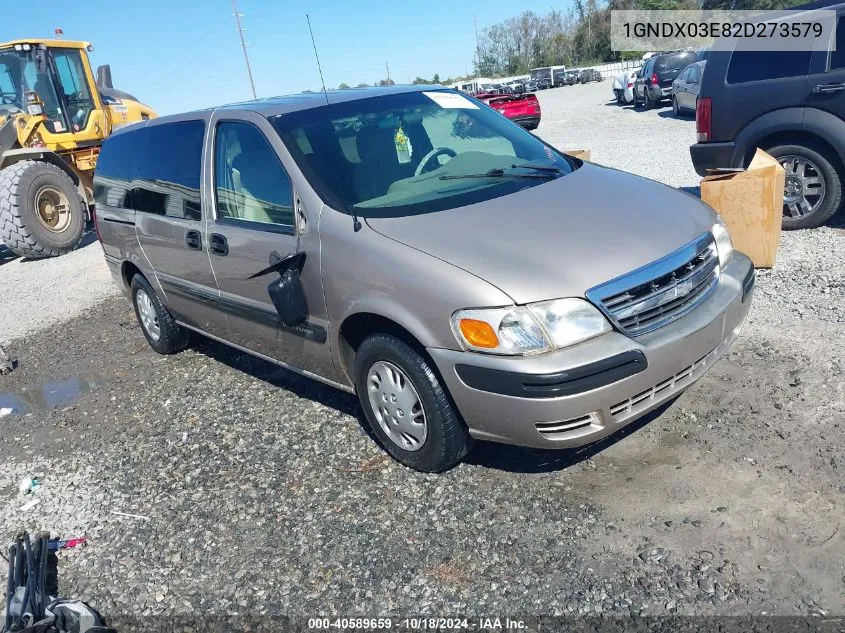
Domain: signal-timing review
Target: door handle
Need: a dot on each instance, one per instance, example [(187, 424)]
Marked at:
[(828, 88), (218, 244), (194, 240)]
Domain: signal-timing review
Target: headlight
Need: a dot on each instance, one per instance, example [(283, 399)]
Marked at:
[(538, 327), (724, 246)]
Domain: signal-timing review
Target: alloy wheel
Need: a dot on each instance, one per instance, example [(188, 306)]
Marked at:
[(804, 189)]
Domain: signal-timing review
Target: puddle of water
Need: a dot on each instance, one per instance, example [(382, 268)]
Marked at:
[(49, 395)]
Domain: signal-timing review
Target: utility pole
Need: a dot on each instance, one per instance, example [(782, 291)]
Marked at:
[(387, 68), (243, 46), (477, 47)]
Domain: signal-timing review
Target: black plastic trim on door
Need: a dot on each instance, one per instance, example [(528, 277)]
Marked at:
[(218, 245)]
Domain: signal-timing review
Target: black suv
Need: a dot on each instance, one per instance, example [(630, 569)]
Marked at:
[(591, 74), (791, 104), (654, 83)]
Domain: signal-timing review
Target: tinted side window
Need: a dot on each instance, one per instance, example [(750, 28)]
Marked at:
[(756, 65), (250, 182), (674, 62), (114, 169), (169, 170), (837, 57)]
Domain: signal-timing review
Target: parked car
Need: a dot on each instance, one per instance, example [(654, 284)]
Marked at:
[(792, 105), (590, 74), (655, 81), (570, 77), (517, 87), (544, 83), (366, 238), (623, 86), (685, 88), (523, 109), (530, 86)]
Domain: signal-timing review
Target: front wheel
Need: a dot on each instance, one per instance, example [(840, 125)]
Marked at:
[(812, 186), (41, 213), (675, 109), (406, 407)]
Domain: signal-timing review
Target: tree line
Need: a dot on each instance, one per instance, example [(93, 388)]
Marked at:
[(578, 37)]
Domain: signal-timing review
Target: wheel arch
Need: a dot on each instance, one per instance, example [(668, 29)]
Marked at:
[(12, 156), (356, 327), (793, 126)]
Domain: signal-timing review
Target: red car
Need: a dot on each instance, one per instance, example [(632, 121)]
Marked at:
[(521, 109)]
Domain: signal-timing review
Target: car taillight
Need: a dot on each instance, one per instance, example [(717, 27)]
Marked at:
[(703, 114), (630, 84), (96, 224), (654, 79)]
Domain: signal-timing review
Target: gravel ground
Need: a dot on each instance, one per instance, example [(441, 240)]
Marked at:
[(258, 492), (37, 293)]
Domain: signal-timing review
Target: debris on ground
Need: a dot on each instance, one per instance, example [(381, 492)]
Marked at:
[(7, 364)]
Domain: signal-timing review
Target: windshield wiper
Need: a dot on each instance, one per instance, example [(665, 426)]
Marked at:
[(549, 169), (500, 173)]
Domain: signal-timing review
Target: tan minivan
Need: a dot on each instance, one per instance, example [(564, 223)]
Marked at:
[(413, 246)]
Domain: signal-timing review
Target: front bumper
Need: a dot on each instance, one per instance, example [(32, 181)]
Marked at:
[(597, 403)]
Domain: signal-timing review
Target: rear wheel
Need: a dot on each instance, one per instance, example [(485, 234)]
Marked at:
[(41, 212), (812, 187), (406, 407), (159, 327)]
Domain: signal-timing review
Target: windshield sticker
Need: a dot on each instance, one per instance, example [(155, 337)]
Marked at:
[(451, 100), (404, 151)]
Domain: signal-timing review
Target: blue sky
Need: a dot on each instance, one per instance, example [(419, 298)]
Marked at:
[(178, 55)]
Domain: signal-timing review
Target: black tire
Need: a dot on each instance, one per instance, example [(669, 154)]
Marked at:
[(676, 110), (832, 181), (20, 227), (172, 337), (447, 441)]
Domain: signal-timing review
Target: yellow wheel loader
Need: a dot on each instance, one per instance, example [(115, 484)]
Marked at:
[(54, 117)]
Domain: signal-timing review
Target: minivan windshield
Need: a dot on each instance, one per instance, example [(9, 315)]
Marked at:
[(414, 152)]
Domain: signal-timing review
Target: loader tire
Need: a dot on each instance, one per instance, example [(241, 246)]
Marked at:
[(41, 212)]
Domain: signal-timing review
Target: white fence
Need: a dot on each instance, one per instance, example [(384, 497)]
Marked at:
[(607, 70)]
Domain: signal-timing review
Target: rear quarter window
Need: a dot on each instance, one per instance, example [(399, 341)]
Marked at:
[(748, 66), (114, 169)]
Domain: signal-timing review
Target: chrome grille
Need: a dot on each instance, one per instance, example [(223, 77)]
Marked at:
[(662, 291)]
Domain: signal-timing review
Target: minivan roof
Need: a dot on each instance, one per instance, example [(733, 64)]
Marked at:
[(273, 106)]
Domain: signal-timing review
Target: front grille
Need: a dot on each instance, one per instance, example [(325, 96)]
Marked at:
[(644, 399), (662, 291)]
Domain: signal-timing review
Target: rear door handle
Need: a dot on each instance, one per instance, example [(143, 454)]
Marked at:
[(827, 88), (194, 240), (218, 244)]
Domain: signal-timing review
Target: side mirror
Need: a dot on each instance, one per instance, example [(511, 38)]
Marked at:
[(286, 291), (41, 61), (288, 297)]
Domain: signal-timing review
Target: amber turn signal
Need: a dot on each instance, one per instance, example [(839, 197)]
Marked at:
[(479, 333)]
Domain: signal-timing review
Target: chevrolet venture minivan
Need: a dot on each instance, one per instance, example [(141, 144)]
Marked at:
[(413, 246)]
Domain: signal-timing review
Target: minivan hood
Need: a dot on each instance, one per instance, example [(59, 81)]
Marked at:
[(560, 238)]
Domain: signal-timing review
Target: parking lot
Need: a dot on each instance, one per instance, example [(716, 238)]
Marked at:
[(256, 491)]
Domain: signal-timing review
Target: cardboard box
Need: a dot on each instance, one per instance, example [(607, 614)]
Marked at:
[(751, 204), (583, 154)]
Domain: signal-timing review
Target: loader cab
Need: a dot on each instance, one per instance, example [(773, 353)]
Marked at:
[(60, 75)]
